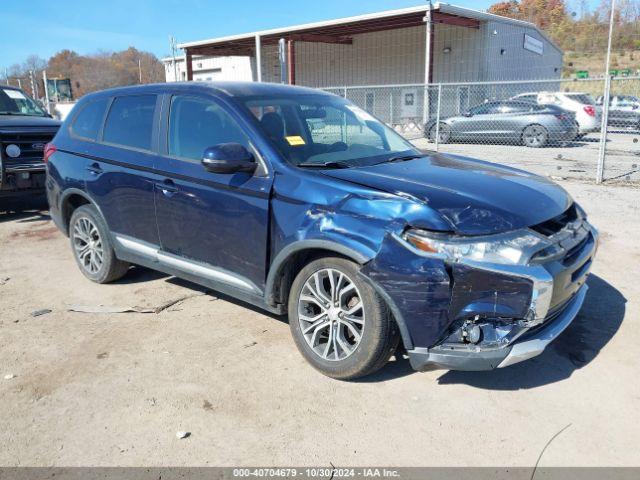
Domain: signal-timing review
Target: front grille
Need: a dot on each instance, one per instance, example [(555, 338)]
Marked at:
[(574, 252), (556, 224), (31, 146)]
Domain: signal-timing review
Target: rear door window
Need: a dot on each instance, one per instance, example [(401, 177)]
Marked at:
[(485, 108), (88, 122), (515, 107), (528, 98), (130, 121)]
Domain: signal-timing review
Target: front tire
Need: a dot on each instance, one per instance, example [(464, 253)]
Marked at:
[(535, 136), (444, 133), (92, 248), (340, 324)]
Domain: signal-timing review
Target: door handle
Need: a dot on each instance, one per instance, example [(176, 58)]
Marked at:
[(95, 168), (168, 188)]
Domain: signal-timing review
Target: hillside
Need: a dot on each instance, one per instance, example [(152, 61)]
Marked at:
[(594, 63)]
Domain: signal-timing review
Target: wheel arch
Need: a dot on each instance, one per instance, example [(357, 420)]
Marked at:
[(281, 272), (294, 256), (70, 201)]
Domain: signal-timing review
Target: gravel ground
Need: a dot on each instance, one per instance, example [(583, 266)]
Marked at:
[(575, 160), (113, 389)]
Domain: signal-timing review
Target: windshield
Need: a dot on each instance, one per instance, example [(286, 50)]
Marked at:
[(16, 102), (325, 130)]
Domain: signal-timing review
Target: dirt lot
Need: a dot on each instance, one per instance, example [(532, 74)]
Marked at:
[(113, 389)]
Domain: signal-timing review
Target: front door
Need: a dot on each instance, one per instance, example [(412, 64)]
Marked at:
[(211, 224)]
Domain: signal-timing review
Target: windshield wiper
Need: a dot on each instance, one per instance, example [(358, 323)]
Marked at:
[(403, 158), (325, 165)]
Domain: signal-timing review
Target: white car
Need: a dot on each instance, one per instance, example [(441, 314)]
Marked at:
[(588, 115)]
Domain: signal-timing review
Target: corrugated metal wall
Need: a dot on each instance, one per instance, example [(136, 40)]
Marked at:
[(464, 60), (493, 52), (517, 63)]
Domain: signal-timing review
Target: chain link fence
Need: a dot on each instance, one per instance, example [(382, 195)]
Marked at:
[(550, 127)]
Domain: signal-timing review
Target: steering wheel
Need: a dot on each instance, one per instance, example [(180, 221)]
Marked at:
[(338, 147)]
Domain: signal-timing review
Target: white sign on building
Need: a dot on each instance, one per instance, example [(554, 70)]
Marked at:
[(533, 44)]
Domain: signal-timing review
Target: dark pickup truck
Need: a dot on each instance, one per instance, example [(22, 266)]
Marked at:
[(25, 129)]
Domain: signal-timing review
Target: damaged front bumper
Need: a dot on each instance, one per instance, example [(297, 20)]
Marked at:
[(528, 345), (473, 315), (558, 290)]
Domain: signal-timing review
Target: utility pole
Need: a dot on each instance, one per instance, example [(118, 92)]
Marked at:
[(33, 84), (139, 71), (427, 64), (605, 102), (46, 91), (173, 47)]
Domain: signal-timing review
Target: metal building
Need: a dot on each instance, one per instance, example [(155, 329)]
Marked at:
[(414, 45), (208, 69)]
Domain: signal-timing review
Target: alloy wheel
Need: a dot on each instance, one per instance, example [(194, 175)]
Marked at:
[(88, 245), (331, 314), (535, 136)]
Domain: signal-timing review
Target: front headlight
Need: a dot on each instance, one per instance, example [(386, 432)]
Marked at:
[(513, 248)]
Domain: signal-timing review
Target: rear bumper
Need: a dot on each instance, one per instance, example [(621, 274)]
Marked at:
[(582, 129), (474, 358), (565, 133)]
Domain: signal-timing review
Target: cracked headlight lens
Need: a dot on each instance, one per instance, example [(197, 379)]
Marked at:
[(513, 248)]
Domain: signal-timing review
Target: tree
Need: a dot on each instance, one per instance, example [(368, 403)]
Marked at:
[(509, 9), (586, 33), (101, 70)]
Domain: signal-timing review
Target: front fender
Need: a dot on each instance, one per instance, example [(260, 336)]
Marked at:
[(315, 212)]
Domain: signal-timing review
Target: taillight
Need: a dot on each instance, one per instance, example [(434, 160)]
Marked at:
[(590, 110), (49, 149)]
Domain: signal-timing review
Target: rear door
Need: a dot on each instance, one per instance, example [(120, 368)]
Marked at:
[(213, 225), (513, 117), (120, 170), (479, 125)]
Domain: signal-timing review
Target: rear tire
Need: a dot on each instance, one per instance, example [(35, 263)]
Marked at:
[(535, 136), (92, 247), (340, 324)]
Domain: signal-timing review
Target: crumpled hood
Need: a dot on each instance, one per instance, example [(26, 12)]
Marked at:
[(475, 197)]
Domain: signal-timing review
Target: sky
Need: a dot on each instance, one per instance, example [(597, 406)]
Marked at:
[(44, 27)]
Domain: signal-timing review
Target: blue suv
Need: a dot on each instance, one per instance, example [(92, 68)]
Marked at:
[(301, 203)]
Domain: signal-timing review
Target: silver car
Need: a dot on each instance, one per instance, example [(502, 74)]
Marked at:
[(624, 111), (507, 121)]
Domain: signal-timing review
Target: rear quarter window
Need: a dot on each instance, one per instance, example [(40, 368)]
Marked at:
[(130, 121), (88, 121)]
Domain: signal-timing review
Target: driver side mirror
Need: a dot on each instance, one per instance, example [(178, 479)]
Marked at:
[(228, 158), (467, 113)]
